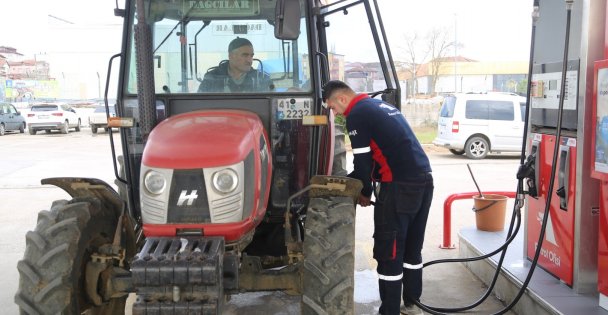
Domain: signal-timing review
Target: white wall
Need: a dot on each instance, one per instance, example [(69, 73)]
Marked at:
[(465, 83)]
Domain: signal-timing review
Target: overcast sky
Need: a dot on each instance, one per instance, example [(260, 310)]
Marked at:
[(488, 30)]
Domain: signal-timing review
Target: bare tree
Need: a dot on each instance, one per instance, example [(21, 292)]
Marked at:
[(439, 43), (414, 54)]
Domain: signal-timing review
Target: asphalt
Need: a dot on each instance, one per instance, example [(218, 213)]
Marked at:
[(448, 285)]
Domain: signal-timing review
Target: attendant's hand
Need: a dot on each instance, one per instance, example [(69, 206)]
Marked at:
[(364, 201)]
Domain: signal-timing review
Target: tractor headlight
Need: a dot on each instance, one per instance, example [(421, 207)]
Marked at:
[(225, 181), (155, 182)]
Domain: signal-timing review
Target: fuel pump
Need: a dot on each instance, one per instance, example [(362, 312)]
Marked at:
[(568, 251), (560, 197), (599, 165), (599, 170)]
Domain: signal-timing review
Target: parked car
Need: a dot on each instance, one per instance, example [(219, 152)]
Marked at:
[(10, 119), (49, 117), (477, 124), (99, 119)]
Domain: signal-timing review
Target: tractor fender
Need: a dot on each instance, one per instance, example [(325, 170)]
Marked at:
[(335, 186), (80, 187)]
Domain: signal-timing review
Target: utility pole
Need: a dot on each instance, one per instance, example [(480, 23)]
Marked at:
[(455, 53)]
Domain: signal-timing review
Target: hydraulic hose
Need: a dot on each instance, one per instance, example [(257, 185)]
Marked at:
[(520, 191)]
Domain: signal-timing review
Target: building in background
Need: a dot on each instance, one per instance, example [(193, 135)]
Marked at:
[(24, 80), (464, 75), (29, 69), (10, 53)]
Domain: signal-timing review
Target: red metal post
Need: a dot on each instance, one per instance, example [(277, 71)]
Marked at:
[(447, 212)]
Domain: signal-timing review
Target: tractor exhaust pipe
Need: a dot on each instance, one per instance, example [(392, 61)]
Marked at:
[(145, 72)]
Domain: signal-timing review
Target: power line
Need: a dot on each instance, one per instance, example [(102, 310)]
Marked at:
[(59, 19)]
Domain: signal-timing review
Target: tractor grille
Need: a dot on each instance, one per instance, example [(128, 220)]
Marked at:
[(154, 209), (188, 201), (225, 208)]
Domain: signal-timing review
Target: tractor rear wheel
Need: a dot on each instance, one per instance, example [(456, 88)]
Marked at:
[(329, 256), (52, 272), (339, 165)]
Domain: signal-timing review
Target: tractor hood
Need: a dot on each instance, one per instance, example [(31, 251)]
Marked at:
[(200, 139)]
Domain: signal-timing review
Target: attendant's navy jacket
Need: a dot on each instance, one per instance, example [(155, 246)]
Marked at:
[(384, 146)]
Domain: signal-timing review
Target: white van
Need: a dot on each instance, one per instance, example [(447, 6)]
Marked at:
[(477, 124)]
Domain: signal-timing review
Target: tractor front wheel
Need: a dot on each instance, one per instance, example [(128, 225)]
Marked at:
[(329, 256), (52, 272)]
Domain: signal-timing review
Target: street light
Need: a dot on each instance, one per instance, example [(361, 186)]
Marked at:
[(98, 86)]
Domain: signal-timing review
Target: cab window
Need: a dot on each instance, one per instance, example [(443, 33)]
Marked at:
[(191, 50)]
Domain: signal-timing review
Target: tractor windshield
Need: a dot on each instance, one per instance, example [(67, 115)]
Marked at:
[(196, 49)]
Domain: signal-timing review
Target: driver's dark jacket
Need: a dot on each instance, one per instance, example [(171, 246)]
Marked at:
[(217, 78)]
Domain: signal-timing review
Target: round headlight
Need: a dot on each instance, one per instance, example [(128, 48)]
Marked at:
[(155, 182), (225, 181)]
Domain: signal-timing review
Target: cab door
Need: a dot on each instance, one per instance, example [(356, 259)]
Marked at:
[(338, 18)]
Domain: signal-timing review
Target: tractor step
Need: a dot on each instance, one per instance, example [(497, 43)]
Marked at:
[(174, 275), (170, 308)]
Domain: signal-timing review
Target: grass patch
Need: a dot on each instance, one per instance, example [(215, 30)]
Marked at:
[(425, 134)]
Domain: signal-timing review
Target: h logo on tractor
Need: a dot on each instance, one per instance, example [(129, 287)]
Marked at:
[(183, 197)]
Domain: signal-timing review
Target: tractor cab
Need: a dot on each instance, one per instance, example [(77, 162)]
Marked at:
[(178, 68)]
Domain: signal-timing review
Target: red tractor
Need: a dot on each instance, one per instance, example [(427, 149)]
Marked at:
[(219, 191)]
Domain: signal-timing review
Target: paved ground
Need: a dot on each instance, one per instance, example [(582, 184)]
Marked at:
[(26, 159)]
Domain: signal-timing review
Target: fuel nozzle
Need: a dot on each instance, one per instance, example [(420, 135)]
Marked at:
[(527, 173)]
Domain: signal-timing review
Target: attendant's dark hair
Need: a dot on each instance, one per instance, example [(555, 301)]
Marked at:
[(332, 86)]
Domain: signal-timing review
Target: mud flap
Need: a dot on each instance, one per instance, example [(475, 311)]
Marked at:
[(324, 186), (79, 187)]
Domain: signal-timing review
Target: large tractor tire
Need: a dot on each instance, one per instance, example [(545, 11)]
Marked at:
[(339, 165), (329, 256), (52, 272)]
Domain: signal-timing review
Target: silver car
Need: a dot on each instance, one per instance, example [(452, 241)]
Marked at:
[(99, 119), (49, 117), (10, 119)]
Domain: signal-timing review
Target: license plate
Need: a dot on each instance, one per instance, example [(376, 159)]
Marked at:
[(43, 116), (294, 108)]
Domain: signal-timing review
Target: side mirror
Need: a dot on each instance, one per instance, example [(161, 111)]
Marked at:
[(287, 19), (391, 97)]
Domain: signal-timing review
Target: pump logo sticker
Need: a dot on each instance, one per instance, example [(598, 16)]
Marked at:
[(184, 196), (549, 232)]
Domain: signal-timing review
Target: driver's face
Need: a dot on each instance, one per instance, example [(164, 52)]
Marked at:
[(241, 59)]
